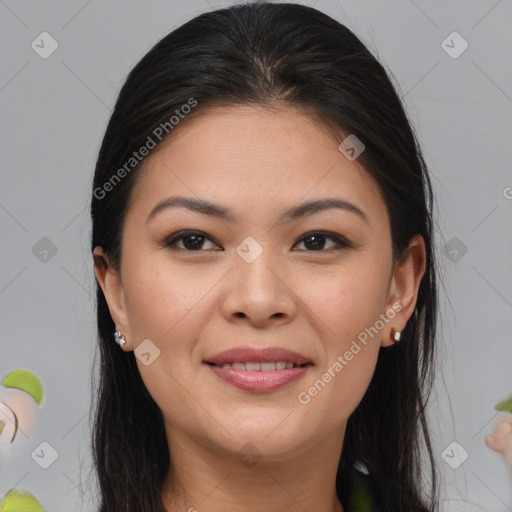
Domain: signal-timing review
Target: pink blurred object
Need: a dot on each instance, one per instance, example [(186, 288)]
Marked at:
[(18, 413), (501, 438)]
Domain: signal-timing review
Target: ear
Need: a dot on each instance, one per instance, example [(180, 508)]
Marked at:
[(404, 286), (112, 286)]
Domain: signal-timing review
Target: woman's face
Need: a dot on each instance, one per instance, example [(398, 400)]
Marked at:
[(256, 281)]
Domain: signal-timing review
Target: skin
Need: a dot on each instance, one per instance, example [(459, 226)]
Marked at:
[(257, 163)]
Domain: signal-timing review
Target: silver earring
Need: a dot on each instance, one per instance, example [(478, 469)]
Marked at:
[(396, 336), (119, 338)]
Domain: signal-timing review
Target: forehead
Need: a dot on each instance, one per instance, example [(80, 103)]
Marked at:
[(252, 158)]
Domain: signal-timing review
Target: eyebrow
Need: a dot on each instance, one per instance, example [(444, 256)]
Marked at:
[(220, 212)]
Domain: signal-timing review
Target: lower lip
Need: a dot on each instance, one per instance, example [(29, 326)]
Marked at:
[(258, 380)]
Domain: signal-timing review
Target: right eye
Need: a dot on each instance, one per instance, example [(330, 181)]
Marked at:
[(192, 241)]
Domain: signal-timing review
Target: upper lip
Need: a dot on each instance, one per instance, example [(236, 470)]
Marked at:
[(258, 355)]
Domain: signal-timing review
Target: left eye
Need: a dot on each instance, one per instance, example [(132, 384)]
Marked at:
[(194, 240), (317, 240)]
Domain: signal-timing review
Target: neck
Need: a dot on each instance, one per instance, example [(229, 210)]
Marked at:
[(203, 478)]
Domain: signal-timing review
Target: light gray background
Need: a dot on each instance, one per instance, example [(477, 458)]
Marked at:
[(54, 113)]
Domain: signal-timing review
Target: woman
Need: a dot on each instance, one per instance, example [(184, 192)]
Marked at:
[(263, 246)]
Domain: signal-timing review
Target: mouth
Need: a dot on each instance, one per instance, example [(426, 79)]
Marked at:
[(250, 355), (259, 369), (252, 366)]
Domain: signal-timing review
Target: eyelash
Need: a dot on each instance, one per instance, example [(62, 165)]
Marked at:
[(170, 242)]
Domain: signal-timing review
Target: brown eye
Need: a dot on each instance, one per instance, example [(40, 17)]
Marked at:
[(315, 241), (192, 240)]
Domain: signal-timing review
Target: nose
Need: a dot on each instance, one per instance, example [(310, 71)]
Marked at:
[(260, 294)]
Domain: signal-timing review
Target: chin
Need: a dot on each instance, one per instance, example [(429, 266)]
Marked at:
[(271, 441)]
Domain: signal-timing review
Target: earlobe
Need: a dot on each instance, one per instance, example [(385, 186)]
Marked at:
[(404, 288), (111, 284)]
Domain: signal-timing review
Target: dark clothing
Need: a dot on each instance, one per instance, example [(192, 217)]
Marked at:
[(360, 492)]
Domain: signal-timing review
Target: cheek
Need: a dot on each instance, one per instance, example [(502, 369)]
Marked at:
[(166, 307), (347, 301), (346, 304), (160, 303)]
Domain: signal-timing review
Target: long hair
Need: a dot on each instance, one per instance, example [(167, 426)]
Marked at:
[(265, 54)]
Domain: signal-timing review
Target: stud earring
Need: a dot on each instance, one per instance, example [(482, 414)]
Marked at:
[(396, 336), (119, 338)]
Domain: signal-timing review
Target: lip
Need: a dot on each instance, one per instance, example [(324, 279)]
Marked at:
[(259, 380), (265, 355)]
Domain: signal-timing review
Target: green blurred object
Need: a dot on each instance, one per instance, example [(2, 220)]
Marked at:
[(17, 501), (26, 381), (504, 405), (361, 500)]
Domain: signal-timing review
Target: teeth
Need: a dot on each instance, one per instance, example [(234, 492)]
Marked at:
[(264, 367)]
